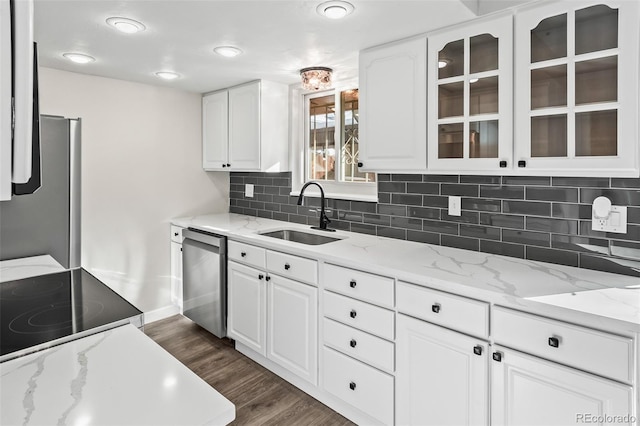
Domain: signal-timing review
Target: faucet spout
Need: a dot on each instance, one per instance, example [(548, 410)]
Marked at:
[(324, 220)]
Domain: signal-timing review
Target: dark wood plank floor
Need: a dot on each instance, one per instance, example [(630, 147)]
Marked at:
[(260, 397)]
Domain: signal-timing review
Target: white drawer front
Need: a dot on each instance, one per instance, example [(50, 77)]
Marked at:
[(247, 254), (364, 387), (294, 267), (456, 312), (355, 313), (591, 350), (360, 285), (176, 233), (358, 344)]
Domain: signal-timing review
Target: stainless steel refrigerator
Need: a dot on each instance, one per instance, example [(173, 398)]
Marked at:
[(48, 221)]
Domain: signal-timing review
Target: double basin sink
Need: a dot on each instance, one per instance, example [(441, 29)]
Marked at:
[(302, 237)]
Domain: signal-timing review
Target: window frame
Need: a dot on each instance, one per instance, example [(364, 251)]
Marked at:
[(356, 191)]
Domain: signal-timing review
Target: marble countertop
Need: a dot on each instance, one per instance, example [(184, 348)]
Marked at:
[(116, 377), (613, 301), (17, 269)]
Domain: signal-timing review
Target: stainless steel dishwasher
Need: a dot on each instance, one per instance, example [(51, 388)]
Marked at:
[(204, 261)]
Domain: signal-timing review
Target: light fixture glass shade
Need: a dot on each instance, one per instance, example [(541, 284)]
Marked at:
[(316, 78), (79, 58), (126, 25)]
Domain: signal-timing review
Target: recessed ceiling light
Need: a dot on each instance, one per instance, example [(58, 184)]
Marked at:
[(126, 25), (228, 51), (336, 9), (167, 75), (79, 58)]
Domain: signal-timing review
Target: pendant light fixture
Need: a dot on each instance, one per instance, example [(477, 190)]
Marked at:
[(316, 78)]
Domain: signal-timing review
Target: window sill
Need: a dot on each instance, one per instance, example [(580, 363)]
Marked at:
[(338, 196)]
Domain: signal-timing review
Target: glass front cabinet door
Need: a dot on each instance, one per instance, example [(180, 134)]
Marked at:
[(470, 106), (576, 72)]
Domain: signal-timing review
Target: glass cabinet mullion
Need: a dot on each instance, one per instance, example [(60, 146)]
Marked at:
[(571, 84), (466, 98)]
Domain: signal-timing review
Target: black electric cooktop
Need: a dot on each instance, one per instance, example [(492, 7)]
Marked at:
[(42, 311)]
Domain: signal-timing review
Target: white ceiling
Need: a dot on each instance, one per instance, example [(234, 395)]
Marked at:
[(277, 37)]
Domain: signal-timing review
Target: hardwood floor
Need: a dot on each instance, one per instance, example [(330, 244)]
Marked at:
[(260, 397)]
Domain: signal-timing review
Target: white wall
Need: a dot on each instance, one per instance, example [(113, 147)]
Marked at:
[(141, 166)]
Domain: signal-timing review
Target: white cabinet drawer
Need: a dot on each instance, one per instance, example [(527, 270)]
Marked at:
[(360, 285), (590, 350), (358, 344), (364, 387), (247, 254), (456, 312), (294, 267), (355, 313), (176, 234)]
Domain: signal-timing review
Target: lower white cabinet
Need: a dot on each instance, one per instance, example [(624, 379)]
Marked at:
[(176, 266), (442, 377), (293, 326), (359, 385), (526, 390), (275, 317), (247, 306)]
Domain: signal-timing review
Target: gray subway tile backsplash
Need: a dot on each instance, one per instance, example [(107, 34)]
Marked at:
[(533, 217)]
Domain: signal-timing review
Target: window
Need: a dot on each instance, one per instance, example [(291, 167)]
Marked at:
[(331, 145)]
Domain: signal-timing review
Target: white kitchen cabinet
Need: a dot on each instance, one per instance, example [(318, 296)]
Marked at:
[(530, 391), (247, 306), (5, 100), (176, 266), (272, 314), (470, 69), (293, 326), (245, 128), (393, 107), (442, 376), (576, 108)]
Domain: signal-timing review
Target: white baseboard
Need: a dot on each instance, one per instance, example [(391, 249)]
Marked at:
[(161, 313)]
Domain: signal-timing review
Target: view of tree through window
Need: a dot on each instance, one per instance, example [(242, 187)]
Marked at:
[(325, 160)]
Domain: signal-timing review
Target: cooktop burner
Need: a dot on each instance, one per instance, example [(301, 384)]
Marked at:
[(50, 309)]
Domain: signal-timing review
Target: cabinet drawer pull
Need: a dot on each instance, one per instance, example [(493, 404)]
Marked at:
[(497, 356), (352, 283), (360, 164), (224, 165), (268, 278), (261, 276), (554, 342), (175, 234), (243, 254), (477, 350), (353, 313), (287, 266), (352, 386), (353, 343), (228, 165), (522, 163), (503, 164), (435, 308)]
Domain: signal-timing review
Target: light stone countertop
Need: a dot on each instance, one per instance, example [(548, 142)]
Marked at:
[(25, 267), (116, 377), (603, 300)]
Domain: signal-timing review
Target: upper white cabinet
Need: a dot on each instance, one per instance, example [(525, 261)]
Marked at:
[(470, 107), (576, 67), (393, 103), (245, 128)]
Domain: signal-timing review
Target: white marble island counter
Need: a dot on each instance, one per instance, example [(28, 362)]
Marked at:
[(544, 288), (117, 377)]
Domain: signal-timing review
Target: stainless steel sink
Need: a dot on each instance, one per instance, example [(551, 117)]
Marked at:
[(300, 237)]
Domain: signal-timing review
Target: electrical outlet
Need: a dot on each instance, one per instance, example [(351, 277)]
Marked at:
[(455, 205), (615, 221), (248, 190)]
